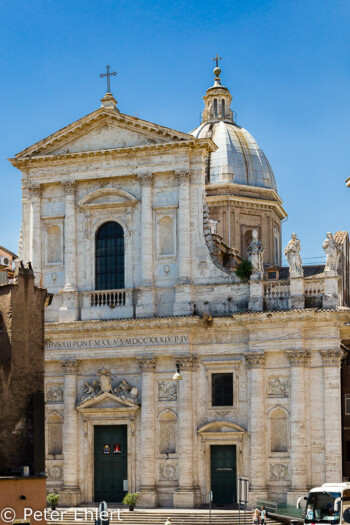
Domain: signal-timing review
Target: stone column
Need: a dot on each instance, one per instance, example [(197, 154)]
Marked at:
[(332, 413), (298, 360), (257, 425), (148, 493), (146, 230), (35, 232), (184, 244), (183, 304), (71, 492), (185, 495), (70, 243), (69, 309), (145, 304)]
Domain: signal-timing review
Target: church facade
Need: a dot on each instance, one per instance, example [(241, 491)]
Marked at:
[(137, 230)]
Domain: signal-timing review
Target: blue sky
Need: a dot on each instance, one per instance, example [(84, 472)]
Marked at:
[(286, 63)]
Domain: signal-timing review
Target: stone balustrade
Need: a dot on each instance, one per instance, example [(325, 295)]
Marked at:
[(106, 304)]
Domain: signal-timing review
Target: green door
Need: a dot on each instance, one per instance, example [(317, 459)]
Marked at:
[(110, 449), (223, 473)]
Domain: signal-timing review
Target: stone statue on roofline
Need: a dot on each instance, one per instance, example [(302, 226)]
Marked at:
[(255, 253), (332, 252), (292, 252)]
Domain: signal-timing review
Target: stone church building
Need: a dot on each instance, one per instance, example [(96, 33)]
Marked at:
[(137, 230)]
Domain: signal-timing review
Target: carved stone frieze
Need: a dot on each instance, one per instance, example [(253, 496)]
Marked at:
[(168, 472), (298, 357), (278, 387), (255, 359), (70, 366), (186, 362), (147, 363), (279, 471), (54, 394), (167, 391), (54, 472), (331, 357)]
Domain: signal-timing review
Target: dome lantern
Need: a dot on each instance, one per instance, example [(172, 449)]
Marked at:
[(217, 99)]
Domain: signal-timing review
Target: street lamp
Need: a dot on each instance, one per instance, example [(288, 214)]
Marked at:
[(177, 376)]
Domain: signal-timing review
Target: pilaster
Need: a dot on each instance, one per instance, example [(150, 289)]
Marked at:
[(71, 493), (257, 425), (185, 496), (298, 359), (146, 300), (35, 250), (183, 290), (69, 308), (148, 494), (331, 360), (256, 293)]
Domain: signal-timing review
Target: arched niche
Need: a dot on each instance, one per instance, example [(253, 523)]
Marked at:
[(54, 423), (167, 431), (278, 429)]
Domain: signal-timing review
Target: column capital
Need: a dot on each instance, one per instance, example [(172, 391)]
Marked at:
[(147, 363), (182, 176), (298, 357), (255, 359), (70, 366), (186, 362), (332, 357), (32, 188), (145, 178), (69, 187)]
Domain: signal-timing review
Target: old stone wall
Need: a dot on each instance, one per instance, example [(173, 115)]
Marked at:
[(21, 374)]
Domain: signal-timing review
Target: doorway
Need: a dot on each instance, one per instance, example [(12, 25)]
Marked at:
[(223, 474)]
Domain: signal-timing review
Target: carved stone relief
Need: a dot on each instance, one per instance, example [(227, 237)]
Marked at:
[(54, 394), (278, 387), (167, 391), (278, 471), (123, 390), (54, 472), (168, 472)]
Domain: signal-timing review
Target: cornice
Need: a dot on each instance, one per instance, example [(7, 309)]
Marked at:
[(246, 319), (246, 202), (58, 159)]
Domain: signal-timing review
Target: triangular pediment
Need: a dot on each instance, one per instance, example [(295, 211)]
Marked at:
[(107, 400), (221, 427), (104, 129)]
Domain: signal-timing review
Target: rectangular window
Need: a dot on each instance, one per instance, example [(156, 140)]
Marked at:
[(222, 390), (347, 404)]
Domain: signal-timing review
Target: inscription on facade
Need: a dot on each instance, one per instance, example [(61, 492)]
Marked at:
[(120, 341)]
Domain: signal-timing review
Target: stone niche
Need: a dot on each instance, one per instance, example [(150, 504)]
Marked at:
[(167, 420)]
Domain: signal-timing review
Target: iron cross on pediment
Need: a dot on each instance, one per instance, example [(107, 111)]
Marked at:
[(108, 75)]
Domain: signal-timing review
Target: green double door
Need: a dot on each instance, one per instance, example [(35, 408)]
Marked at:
[(223, 473), (110, 455)]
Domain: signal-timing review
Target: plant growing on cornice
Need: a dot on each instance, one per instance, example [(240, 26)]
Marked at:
[(244, 270)]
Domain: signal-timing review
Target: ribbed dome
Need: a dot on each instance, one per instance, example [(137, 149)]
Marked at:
[(238, 158)]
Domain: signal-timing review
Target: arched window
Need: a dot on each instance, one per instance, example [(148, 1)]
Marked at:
[(215, 107), (222, 108), (110, 257)]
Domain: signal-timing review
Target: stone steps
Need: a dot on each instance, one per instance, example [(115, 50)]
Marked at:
[(155, 517)]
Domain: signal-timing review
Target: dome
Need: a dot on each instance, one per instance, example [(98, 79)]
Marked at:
[(238, 158)]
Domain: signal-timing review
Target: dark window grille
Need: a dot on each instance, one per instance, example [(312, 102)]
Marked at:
[(110, 257), (222, 390)]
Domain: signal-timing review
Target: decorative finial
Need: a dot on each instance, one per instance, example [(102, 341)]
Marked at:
[(108, 75), (217, 70)]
